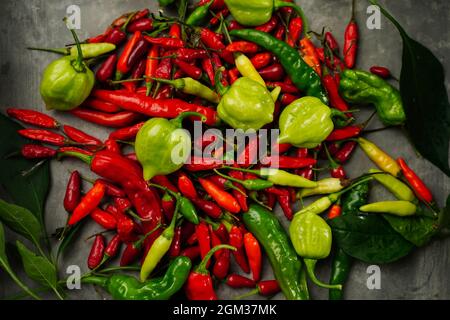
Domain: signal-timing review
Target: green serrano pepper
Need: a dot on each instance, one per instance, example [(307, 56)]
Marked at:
[(286, 264), (302, 75)]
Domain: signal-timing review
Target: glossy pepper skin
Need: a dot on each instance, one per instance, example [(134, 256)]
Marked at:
[(397, 208), (123, 287), (359, 86), (246, 105), (302, 75), (156, 143), (305, 123), (67, 82), (285, 262)]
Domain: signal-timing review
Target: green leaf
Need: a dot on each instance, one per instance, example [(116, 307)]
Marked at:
[(424, 94), (369, 238), (30, 191), (417, 229), (37, 267), (22, 221), (4, 264)]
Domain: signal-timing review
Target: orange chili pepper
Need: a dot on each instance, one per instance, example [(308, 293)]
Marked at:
[(89, 203), (223, 198)]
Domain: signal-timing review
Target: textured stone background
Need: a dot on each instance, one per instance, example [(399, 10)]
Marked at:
[(422, 275)]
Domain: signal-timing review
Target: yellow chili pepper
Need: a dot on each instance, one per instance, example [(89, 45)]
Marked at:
[(246, 69), (379, 157)]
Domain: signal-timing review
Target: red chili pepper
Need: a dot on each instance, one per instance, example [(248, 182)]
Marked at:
[(165, 182), (274, 72), (193, 239), (113, 146), (338, 172), (144, 24), (216, 19), (270, 200), (237, 241), (151, 67), (223, 198), (382, 72), (278, 191), (419, 187), (107, 69), (130, 254), (307, 173), (332, 43), (335, 211), (268, 288), (33, 118), (237, 281), (112, 190), (211, 39), (191, 70), (204, 239), (97, 252), (188, 54), (123, 66), (128, 133), (208, 207), (241, 194), (117, 120), (186, 186), (216, 5), (35, 151), (104, 219), (279, 32), (164, 70), (285, 88), (310, 55), (100, 105), (286, 162), (89, 202), (73, 192), (168, 43), (63, 150), (175, 248), (344, 154), (261, 60), (113, 247), (44, 136), (243, 46), (281, 148), (287, 99), (82, 137), (351, 41), (295, 31), (253, 250), (97, 39), (136, 73), (222, 265), (234, 25), (269, 26), (345, 133), (115, 36), (191, 252), (126, 228), (331, 86), (285, 204), (139, 52), (203, 164), (208, 68), (165, 93), (164, 108)]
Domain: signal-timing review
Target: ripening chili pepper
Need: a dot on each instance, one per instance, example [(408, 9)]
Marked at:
[(379, 157), (168, 43), (274, 72), (419, 187), (223, 198), (382, 72), (34, 118), (254, 255), (81, 137), (199, 285), (97, 252), (104, 219), (89, 202), (107, 69), (186, 186), (35, 151), (344, 154), (44, 136), (100, 105), (329, 82), (351, 41), (73, 192), (123, 66), (286, 162), (144, 24), (127, 133), (237, 240), (285, 204), (243, 46), (237, 281), (269, 26), (335, 211), (204, 239), (117, 120), (295, 30), (310, 55)]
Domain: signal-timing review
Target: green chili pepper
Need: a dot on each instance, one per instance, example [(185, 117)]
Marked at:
[(252, 185), (89, 50), (286, 265), (193, 87), (67, 82), (253, 13), (159, 248), (307, 122), (199, 14), (311, 237), (245, 105), (325, 186), (302, 75), (397, 208), (340, 269), (162, 146), (358, 86), (400, 190), (124, 287)]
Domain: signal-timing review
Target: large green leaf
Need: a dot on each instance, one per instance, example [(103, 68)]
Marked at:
[(22, 221), (424, 94), (369, 238), (27, 191)]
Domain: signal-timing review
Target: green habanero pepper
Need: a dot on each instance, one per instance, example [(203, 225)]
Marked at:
[(306, 123), (399, 189), (254, 13), (89, 50), (67, 82), (163, 146), (286, 265), (311, 237), (245, 105), (398, 208), (358, 86), (124, 287), (302, 75)]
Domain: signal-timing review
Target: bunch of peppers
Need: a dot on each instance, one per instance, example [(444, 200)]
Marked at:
[(259, 69)]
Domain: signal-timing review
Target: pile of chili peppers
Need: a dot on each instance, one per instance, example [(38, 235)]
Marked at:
[(171, 66)]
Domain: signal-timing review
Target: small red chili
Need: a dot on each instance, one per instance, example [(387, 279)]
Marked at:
[(32, 117), (97, 252), (73, 192), (89, 202), (35, 151)]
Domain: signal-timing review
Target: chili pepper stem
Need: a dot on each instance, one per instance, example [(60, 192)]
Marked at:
[(248, 294), (202, 266), (310, 266), (78, 64), (57, 51)]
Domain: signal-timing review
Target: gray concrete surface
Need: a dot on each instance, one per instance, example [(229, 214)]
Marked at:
[(422, 275)]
